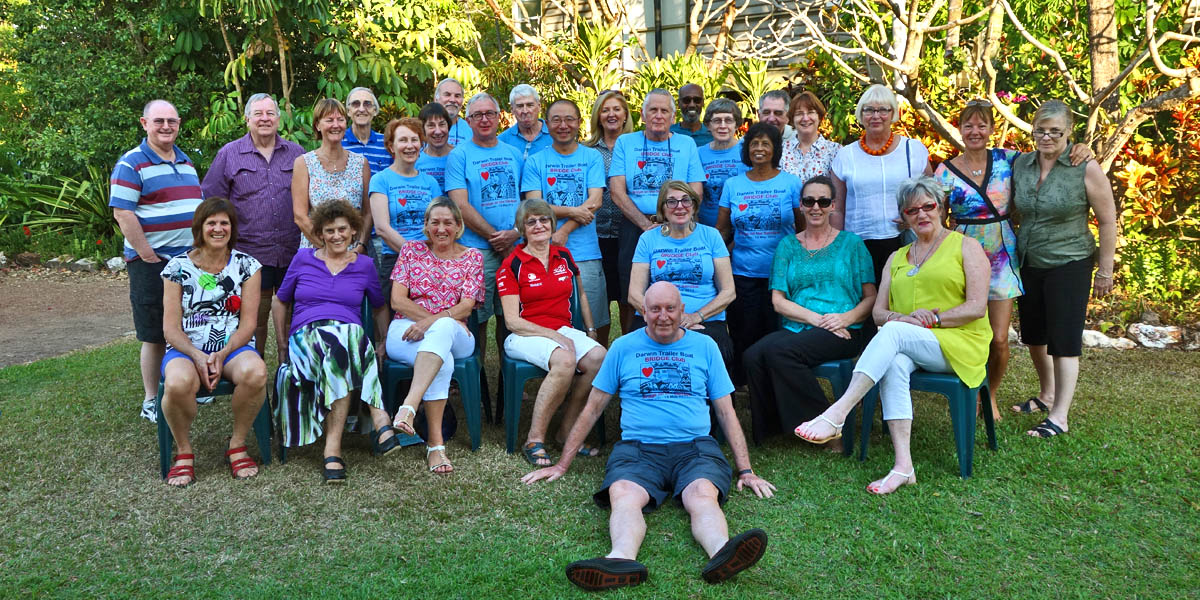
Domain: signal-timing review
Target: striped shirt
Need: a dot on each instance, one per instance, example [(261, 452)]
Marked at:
[(373, 150), (163, 195)]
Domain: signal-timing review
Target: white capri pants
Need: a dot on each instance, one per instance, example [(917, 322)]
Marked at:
[(891, 357), (536, 350), (446, 338)]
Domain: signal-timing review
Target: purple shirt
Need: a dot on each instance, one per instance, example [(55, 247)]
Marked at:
[(319, 294), (261, 191)]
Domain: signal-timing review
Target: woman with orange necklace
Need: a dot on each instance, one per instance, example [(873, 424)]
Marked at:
[(867, 174)]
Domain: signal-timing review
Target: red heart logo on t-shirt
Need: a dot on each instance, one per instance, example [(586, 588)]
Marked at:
[(647, 371), (743, 206), (661, 263), (551, 180), (403, 201), (641, 164), (484, 175)]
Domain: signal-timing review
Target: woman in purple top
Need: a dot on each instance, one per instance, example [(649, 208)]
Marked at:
[(326, 348)]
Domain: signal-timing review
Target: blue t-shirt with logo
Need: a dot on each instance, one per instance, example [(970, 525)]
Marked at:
[(408, 197), (719, 165), (761, 213), (687, 263), (665, 389), (460, 132), (433, 166), (647, 165), (565, 181), (492, 178)]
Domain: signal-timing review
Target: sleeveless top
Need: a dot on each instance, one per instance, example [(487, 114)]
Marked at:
[(324, 186), (942, 284), (1053, 226)]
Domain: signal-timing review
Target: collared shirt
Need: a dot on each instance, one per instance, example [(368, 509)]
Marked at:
[(373, 149), (818, 160), (163, 195), (544, 291), (512, 136), (261, 191), (1054, 213), (701, 136)]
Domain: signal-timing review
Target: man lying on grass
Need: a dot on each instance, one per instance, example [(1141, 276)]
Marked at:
[(666, 377)]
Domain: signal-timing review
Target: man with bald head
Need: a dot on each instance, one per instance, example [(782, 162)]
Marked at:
[(153, 192), (666, 378), (691, 107)]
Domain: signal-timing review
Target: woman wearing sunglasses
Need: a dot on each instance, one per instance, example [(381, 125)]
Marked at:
[(823, 287), (932, 313)]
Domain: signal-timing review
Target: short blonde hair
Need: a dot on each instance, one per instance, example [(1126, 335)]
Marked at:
[(678, 186), (322, 109), (1054, 108), (877, 94), (444, 202)]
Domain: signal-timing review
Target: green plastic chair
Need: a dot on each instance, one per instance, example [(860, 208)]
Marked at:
[(166, 441), (962, 401), (466, 373), (838, 373)]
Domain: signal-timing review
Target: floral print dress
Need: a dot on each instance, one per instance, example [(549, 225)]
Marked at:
[(212, 303), (324, 186)]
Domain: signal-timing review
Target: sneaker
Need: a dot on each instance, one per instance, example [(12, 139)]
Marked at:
[(202, 400), (148, 412)]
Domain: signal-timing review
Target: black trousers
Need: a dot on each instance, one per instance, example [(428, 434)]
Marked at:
[(880, 250), (783, 390), (751, 317)]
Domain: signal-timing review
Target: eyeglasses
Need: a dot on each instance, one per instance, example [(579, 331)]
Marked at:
[(979, 102), (725, 120), (161, 122), (532, 221), (258, 114), (927, 207), (675, 202), (823, 201), (361, 104), (564, 120), (1053, 134), (877, 110), (484, 114), (617, 92)]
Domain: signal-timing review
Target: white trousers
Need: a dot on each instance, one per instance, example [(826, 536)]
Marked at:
[(446, 338), (891, 357)]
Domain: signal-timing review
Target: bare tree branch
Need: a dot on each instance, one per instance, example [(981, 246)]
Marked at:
[(1164, 101)]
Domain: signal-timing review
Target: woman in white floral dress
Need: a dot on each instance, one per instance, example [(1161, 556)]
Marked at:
[(330, 173)]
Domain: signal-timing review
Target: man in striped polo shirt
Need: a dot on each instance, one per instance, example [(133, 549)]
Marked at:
[(153, 192), (363, 107)]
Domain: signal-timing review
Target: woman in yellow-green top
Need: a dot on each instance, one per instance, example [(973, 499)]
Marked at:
[(932, 308)]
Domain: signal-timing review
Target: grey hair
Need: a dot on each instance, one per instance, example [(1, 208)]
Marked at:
[(921, 185), (659, 92), (777, 95), (533, 207), (444, 82), (363, 89), (255, 98), (1054, 108), (723, 105), (877, 94), (150, 104), (521, 91), (479, 97)]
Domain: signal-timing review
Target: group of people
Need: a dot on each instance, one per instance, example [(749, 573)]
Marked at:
[(733, 261)]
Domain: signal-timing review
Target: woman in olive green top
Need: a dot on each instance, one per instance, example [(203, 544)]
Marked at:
[(1057, 252), (932, 308)]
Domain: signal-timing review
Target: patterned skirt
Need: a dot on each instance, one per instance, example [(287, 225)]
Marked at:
[(1000, 244), (329, 360)]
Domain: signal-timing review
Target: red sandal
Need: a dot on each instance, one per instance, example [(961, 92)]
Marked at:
[(240, 464), (182, 470)]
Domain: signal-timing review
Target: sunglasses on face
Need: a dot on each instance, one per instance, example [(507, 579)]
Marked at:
[(927, 207), (823, 201)]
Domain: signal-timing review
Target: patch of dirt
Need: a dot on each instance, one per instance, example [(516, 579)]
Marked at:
[(46, 313)]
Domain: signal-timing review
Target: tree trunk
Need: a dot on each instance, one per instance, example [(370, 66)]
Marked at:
[(237, 85), (722, 40), (952, 35), (1102, 44), (284, 72)]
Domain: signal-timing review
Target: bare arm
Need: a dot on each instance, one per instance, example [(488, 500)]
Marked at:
[(978, 271), (281, 314), (1100, 197), (639, 279), (838, 217), (300, 200), (364, 236), (724, 225), (383, 222), (593, 410), (585, 308), (723, 278), (737, 443), (132, 230), (474, 221), (620, 197)]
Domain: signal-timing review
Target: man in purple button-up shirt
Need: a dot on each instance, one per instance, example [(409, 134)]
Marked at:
[(255, 173)]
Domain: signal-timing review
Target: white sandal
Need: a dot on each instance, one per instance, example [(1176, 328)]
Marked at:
[(907, 481), (837, 433), (402, 423), (445, 460)]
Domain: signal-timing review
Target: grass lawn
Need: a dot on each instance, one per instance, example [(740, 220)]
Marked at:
[(1110, 510)]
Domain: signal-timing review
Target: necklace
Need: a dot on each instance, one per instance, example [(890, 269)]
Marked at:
[(862, 141), (812, 253), (917, 267)]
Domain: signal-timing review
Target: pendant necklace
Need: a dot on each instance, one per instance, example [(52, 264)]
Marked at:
[(812, 253), (917, 267)]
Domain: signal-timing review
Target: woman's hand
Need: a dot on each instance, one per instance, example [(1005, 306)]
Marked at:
[(565, 342), (416, 331), (591, 332), (380, 352), (924, 317), (691, 321), (834, 322), (281, 354), (215, 362)]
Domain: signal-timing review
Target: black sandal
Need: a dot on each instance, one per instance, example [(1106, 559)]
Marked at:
[(335, 475), (1032, 405), (1046, 429), (382, 448)]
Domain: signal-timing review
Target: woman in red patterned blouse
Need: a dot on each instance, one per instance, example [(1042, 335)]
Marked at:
[(436, 284)]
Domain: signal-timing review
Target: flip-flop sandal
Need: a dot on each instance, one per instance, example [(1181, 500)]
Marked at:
[(1046, 429), (335, 475), (586, 450), (442, 462), (1032, 405), (737, 555), (405, 424), (535, 451), (382, 448), (837, 432), (596, 574)]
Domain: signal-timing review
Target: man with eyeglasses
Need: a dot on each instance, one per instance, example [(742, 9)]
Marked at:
[(691, 105), (154, 192), (570, 177), (483, 177), (449, 93), (773, 109), (529, 134), (363, 106), (255, 173)]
